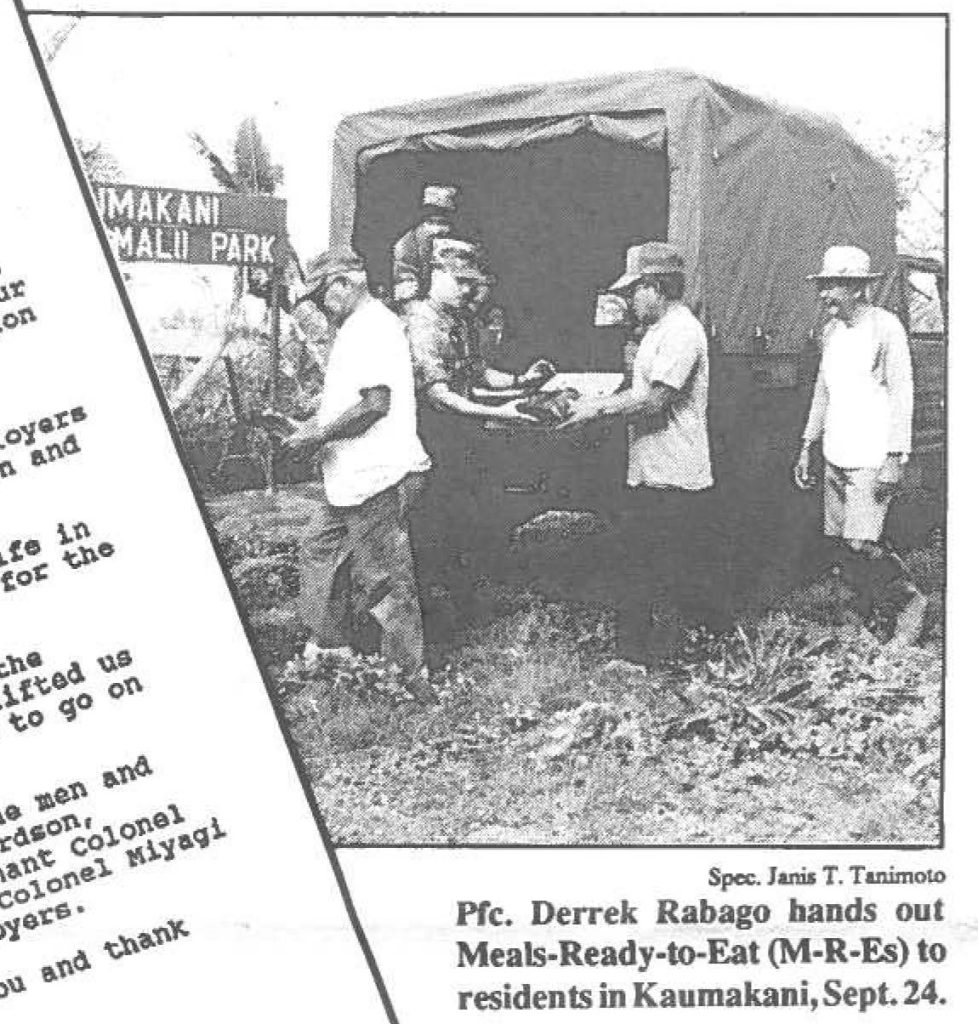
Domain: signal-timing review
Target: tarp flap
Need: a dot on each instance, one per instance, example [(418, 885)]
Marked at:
[(647, 131), (756, 191)]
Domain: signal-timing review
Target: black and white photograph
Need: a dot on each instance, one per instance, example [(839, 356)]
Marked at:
[(566, 396)]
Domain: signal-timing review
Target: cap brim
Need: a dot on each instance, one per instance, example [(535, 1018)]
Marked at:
[(842, 277), (624, 282), (309, 291), (465, 275)]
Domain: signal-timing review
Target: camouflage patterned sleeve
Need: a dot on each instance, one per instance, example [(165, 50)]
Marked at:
[(406, 261), (429, 352)]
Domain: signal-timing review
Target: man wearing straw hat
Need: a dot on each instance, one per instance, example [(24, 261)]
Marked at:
[(358, 587), (862, 412), (411, 255)]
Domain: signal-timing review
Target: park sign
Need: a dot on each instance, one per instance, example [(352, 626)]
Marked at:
[(175, 225)]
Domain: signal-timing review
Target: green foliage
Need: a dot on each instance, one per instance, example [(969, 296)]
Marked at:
[(97, 162), (798, 726), (785, 729), (251, 169), (207, 420), (917, 159)]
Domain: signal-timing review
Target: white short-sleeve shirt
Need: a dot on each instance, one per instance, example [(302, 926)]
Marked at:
[(672, 449), (370, 350)]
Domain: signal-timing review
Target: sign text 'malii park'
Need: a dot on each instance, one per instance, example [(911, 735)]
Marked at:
[(171, 225)]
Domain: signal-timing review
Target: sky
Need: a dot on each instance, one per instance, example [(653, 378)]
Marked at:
[(140, 86)]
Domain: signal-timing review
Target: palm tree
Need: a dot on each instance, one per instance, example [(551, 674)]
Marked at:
[(251, 172)]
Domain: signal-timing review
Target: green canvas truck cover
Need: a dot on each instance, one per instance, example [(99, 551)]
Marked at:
[(756, 191)]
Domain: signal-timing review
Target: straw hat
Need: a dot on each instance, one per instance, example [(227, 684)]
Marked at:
[(845, 262), (648, 260)]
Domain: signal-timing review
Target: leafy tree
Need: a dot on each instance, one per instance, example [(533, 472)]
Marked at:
[(917, 159), (250, 171), (57, 37), (99, 164), (251, 168)]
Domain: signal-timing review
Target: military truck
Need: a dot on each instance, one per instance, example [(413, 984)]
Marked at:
[(556, 181)]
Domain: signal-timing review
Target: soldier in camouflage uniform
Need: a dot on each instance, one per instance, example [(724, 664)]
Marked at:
[(448, 367), (411, 255)]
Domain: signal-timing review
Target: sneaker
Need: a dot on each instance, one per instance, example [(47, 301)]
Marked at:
[(910, 622)]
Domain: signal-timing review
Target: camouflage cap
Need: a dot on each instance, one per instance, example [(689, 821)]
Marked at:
[(460, 258), (329, 265), (649, 259)]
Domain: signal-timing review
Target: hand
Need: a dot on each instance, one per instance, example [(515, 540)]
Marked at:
[(890, 476), (278, 426), (584, 410), (295, 440), (540, 370), (804, 478), (509, 413)]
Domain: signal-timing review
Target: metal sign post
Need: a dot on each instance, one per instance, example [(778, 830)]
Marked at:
[(275, 295)]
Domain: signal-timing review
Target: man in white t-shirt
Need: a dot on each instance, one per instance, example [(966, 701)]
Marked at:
[(358, 585), (666, 575), (862, 412)]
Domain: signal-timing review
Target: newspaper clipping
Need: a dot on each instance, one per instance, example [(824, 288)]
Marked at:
[(476, 513)]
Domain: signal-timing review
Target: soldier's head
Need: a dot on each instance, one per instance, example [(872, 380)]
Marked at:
[(336, 283), (654, 279), (843, 282), (456, 276), (483, 289)]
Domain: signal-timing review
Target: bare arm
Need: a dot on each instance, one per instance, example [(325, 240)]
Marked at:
[(374, 405), (536, 373), (494, 378), (442, 398), (626, 403), (623, 403), (814, 428), (899, 389), (816, 414)]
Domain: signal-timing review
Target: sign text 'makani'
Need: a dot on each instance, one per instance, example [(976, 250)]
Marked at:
[(169, 225)]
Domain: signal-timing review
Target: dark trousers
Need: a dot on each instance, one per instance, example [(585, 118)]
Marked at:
[(357, 580), (447, 529), (667, 564)]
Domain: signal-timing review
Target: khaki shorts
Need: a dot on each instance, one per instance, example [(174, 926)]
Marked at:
[(855, 508)]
